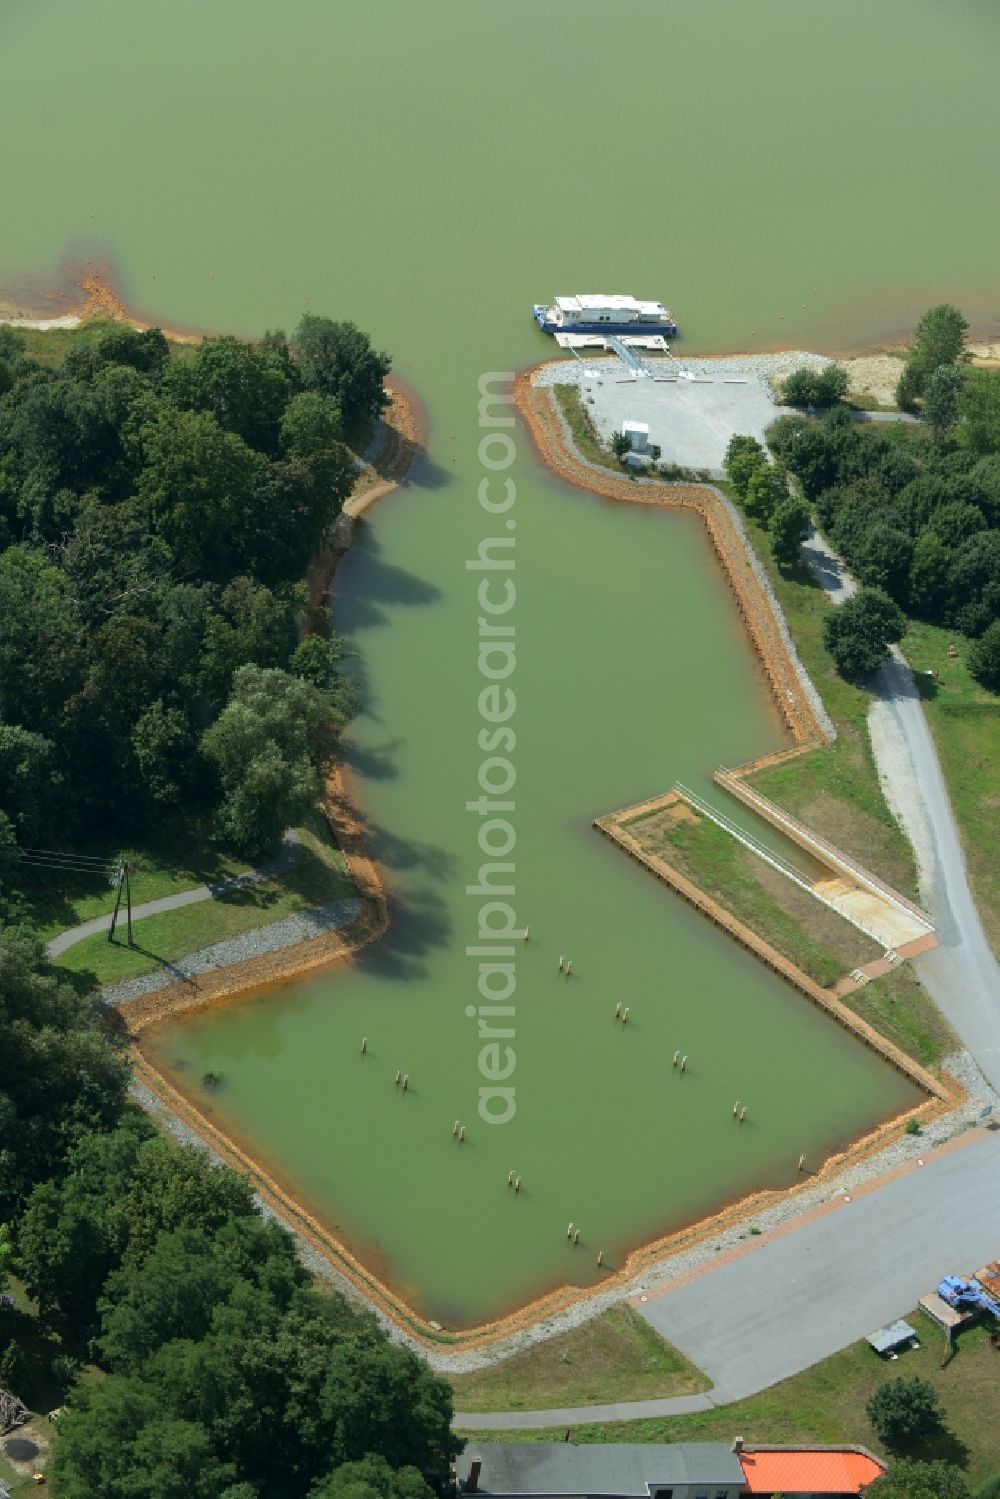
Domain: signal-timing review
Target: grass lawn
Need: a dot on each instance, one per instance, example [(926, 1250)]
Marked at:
[(616, 1356), (318, 876), (179, 861), (834, 789), (965, 721), (826, 1404), (822, 943)]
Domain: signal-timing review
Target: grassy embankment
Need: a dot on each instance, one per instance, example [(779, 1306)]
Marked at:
[(835, 789), (616, 1356), (318, 875), (965, 721), (820, 942), (581, 425), (825, 1404)]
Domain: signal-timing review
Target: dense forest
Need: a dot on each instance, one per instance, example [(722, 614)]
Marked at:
[(158, 508), (211, 1368), (913, 509)]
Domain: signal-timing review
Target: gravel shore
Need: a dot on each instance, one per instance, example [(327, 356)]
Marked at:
[(264, 939), (902, 1151), (571, 371)]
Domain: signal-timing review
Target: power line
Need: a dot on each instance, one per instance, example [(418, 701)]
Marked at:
[(53, 853)]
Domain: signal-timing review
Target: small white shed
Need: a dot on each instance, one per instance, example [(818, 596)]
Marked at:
[(638, 435)]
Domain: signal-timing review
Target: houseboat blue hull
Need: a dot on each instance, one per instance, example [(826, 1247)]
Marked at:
[(633, 329)]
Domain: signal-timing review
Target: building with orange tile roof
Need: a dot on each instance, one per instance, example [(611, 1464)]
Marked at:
[(808, 1472)]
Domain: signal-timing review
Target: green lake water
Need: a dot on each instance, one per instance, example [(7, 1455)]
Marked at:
[(777, 173)]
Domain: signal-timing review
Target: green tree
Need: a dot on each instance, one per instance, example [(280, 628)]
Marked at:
[(371, 1478), (939, 339), (621, 445), (928, 586), (979, 411), (41, 644), (766, 489), (906, 1478), (941, 392), (6, 1252), (268, 745), (984, 657), (809, 387), (252, 626), (116, 1439), (59, 1078), (744, 455), (163, 743), (243, 388), (13, 1369), (338, 360), (29, 781), (883, 560), (789, 524), (311, 424), (974, 582), (198, 486), (904, 1412), (858, 633)]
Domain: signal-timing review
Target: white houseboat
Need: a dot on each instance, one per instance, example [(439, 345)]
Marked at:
[(604, 314)]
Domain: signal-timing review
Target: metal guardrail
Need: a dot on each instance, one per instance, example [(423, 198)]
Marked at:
[(781, 819), (776, 862)]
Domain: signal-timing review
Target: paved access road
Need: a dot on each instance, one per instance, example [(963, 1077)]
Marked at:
[(75, 934), (789, 1300), (962, 975)]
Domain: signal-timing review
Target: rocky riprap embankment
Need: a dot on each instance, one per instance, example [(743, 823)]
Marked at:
[(762, 367), (280, 934)]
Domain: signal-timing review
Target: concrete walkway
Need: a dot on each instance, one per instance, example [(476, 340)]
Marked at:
[(961, 974), (785, 1301), (75, 934)]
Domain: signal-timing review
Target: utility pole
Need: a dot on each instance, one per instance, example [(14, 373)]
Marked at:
[(123, 880), (119, 881)]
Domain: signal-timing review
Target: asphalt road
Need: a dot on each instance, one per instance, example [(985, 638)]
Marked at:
[(790, 1300), (961, 975), (75, 934)]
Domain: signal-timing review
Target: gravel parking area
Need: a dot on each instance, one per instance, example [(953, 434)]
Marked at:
[(691, 406)]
